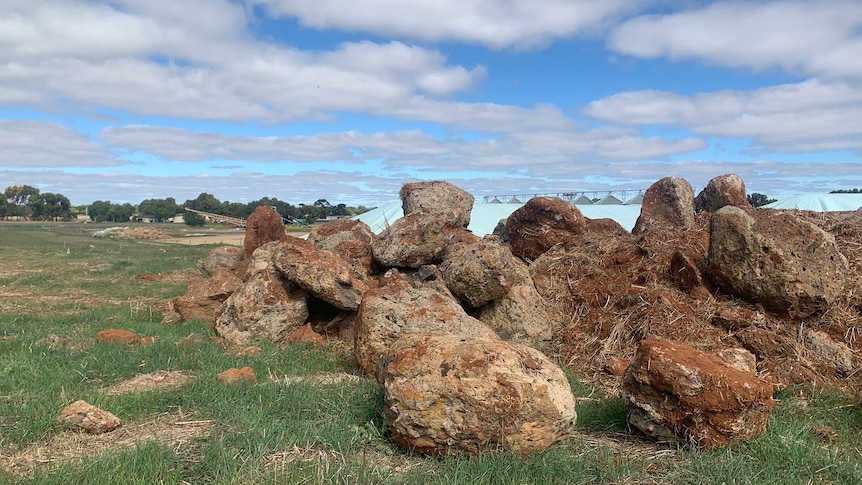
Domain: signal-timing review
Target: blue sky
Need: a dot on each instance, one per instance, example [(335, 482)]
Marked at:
[(347, 100)]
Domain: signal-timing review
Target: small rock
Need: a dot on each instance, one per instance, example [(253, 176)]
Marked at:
[(193, 339), (836, 355), (117, 335), (83, 416), (306, 334), (237, 376), (616, 366), (684, 272)]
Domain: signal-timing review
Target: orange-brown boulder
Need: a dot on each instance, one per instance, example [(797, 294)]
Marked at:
[(678, 393), (221, 257), (323, 274), (351, 239), (723, 190), (787, 264), (263, 225), (447, 393), (480, 273), (398, 308), (668, 202), (205, 295), (267, 306), (542, 223), (452, 203), (417, 239)]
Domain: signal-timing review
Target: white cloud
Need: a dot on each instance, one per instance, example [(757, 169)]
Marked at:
[(46, 144), (820, 37), (178, 144), (531, 152), (495, 23), (195, 60), (809, 116)]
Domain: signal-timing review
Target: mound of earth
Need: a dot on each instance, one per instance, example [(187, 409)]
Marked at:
[(618, 290), (132, 233)]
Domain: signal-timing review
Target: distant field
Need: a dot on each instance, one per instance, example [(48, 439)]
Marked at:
[(311, 417)]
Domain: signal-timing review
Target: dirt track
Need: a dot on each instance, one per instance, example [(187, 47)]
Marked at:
[(232, 238)]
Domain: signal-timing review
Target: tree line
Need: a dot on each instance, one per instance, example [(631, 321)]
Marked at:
[(28, 203)]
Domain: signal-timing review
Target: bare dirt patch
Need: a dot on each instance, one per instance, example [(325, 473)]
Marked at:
[(174, 429), (228, 239)]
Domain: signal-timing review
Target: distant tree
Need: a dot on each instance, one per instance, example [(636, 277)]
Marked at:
[(234, 209), (21, 200), (159, 209), (205, 202), (194, 220), (757, 199), (845, 191), (99, 210), (323, 207), (121, 212), (55, 207)]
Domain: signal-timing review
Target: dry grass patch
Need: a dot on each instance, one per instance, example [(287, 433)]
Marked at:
[(328, 462), (176, 429), (163, 379)]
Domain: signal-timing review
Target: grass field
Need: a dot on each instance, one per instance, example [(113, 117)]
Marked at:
[(311, 417)]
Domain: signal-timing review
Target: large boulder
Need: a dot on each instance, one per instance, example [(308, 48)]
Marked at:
[(398, 308), (677, 393), (447, 393), (267, 306), (452, 203), (417, 239), (205, 295), (522, 315), (221, 257), (723, 190), (785, 263), (542, 223), (480, 273), (263, 225), (669, 202), (321, 273), (349, 238)]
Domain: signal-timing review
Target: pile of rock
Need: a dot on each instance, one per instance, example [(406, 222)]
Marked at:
[(445, 320), (401, 298)]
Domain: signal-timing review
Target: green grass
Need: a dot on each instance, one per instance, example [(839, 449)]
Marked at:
[(64, 282)]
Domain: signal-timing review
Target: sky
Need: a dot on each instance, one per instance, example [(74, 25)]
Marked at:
[(347, 100)]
